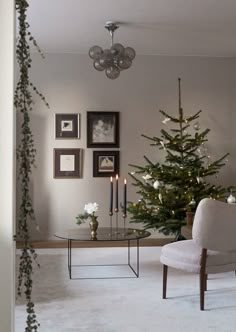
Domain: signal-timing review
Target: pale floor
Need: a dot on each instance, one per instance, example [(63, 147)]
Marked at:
[(126, 305)]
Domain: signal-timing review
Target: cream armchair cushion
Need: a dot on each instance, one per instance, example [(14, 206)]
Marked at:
[(212, 249)]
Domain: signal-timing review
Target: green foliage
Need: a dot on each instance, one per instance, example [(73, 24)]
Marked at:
[(81, 218), (26, 153), (170, 189)]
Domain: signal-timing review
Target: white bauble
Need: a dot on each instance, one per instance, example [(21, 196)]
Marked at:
[(156, 184), (231, 199)]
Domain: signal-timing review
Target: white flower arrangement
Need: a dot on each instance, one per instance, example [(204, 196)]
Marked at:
[(90, 210)]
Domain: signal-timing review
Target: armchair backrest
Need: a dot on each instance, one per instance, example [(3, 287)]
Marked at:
[(214, 225)]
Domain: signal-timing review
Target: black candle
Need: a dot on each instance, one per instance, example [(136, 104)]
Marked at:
[(117, 198), (125, 196), (111, 195)]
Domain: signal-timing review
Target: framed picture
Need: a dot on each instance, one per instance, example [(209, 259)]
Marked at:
[(106, 163), (67, 126), (67, 163), (103, 129)]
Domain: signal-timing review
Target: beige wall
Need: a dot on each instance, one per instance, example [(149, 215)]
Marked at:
[(6, 166), (72, 85)]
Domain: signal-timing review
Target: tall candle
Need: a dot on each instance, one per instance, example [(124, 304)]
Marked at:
[(111, 195), (125, 196), (117, 198)]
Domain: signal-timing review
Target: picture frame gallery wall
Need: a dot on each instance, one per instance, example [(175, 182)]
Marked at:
[(106, 163), (67, 126), (67, 163), (103, 131)]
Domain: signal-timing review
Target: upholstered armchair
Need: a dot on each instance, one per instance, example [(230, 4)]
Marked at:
[(212, 249)]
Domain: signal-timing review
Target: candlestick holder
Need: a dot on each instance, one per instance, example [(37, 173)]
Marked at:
[(111, 215), (116, 213), (124, 219)]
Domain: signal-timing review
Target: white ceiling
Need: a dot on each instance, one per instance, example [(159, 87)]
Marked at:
[(163, 27)]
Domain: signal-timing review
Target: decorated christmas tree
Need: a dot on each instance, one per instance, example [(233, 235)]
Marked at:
[(168, 190)]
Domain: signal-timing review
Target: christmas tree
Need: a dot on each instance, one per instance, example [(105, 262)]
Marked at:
[(168, 190)]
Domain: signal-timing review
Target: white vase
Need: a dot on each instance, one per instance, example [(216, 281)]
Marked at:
[(231, 199)]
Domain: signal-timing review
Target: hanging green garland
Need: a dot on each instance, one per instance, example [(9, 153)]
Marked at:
[(26, 153)]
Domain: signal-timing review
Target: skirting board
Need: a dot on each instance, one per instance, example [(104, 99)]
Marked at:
[(96, 244)]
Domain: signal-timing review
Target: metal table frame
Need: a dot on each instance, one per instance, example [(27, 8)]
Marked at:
[(136, 272)]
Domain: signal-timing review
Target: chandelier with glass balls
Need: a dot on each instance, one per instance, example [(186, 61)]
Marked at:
[(113, 59)]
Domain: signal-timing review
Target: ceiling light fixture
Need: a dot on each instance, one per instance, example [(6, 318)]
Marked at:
[(114, 59)]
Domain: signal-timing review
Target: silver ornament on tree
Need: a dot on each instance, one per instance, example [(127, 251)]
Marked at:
[(146, 177), (199, 179), (196, 126), (166, 120), (199, 151), (156, 184), (163, 144), (192, 202), (231, 199)]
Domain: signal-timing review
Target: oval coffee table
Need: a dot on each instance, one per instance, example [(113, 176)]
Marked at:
[(104, 234)]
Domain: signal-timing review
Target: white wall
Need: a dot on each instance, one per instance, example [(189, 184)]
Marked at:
[(6, 166), (72, 85)]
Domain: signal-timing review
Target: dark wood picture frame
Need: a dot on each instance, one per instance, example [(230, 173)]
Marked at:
[(106, 163), (103, 129), (67, 163), (67, 125)]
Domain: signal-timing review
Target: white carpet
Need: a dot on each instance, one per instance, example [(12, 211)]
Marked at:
[(126, 305)]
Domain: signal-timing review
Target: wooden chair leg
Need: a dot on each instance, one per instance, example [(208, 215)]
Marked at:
[(203, 278), (165, 271), (205, 286)]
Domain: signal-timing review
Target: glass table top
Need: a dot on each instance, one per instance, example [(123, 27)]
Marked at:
[(103, 234)]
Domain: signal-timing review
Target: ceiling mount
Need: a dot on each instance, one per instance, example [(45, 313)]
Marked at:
[(112, 26)]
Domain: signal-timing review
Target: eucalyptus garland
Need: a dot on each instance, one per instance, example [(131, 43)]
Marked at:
[(26, 154)]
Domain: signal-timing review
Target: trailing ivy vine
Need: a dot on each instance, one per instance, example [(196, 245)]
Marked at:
[(26, 154)]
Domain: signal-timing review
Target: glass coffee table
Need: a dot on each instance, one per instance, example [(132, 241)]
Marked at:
[(105, 234)]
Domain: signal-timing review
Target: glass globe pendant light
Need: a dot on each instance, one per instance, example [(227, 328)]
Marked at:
[(114, 59)]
